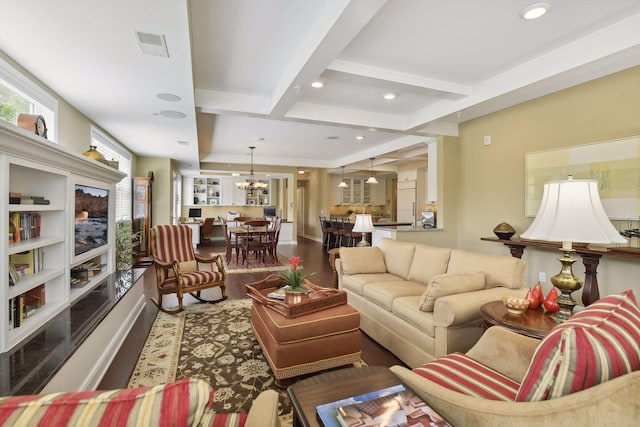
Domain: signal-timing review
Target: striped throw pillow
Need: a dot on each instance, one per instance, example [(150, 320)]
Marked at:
[(600, 343), (458, 372), (181, 403)]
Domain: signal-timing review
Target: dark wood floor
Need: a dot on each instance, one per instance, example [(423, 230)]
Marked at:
[(314, 258)]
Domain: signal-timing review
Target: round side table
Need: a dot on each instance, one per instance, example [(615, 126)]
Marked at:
[(532, 323)]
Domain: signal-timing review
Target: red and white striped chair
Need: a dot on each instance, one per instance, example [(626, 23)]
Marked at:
[(178, 267)]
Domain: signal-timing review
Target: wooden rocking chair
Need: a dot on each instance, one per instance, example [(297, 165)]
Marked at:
[(178, 267)]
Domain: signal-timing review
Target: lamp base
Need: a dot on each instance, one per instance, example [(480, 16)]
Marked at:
[(566, 282), (362, 243)]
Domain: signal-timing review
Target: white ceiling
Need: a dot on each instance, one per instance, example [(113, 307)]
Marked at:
[(243, 69)]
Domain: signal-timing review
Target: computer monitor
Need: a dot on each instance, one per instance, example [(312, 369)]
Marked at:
[(195, 213), (269, 211)]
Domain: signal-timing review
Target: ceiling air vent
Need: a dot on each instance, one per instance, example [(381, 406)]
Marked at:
[(152, 44)]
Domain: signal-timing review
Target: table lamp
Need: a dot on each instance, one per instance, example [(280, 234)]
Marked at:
[(571, 211), (363, 225)]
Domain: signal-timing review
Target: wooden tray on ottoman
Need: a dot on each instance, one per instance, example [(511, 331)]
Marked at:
[(318, 299)]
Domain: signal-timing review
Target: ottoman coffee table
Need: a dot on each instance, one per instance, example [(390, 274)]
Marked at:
[(313, 341)]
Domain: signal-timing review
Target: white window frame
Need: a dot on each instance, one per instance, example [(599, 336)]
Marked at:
[(45, 104), (124, 157), (177, 195)]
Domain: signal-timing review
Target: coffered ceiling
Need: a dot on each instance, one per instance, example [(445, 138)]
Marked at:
[(242, 70)]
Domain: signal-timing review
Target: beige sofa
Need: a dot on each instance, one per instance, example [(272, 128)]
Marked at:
[(422, 302)]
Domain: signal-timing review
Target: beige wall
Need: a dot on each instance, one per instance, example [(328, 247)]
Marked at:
[(162, 186), (491, 178)]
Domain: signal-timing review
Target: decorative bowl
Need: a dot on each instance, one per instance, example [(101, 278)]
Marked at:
[(515, 305)]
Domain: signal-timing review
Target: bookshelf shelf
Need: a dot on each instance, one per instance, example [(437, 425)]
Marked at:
[(31, 244), (31, 170)]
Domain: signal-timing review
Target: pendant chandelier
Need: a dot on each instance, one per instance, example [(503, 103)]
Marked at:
[(342, 183), (251, 184), (372, 179)]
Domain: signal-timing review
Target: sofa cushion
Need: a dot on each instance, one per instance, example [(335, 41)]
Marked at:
[(499, 270), (356, 282), (595, 345), (450, 284), (407, 309), (428, 261), (383, 293), (362, 260), (398, 256), (460, 373), (181, 403)]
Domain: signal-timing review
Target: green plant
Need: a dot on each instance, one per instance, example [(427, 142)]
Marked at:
[(294, 277), (125, 242)]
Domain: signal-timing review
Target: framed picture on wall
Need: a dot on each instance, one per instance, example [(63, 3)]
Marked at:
[(614, 164)]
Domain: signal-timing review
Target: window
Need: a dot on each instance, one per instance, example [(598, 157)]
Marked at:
[(177, 195), (19, 95), (111, 150)]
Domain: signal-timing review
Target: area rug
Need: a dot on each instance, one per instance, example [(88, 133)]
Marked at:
[(252, 265), (215, 343)]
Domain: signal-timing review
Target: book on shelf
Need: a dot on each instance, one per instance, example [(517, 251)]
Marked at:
[(13, 274), (389, 407), (25, 225), (28, 262)]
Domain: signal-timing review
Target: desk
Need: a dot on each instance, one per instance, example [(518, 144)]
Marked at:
[(195, 232)]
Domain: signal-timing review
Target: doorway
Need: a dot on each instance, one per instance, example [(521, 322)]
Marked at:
[(300, 215)]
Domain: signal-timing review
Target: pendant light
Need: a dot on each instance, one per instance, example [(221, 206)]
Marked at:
[(372, 179), (251, 184), (342, 183)]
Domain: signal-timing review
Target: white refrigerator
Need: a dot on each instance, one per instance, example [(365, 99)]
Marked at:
[(406, 211)]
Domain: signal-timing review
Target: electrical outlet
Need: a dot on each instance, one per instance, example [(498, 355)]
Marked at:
[(542, 277)]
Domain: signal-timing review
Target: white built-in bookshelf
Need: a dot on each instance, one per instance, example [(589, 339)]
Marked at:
[(45, 285)]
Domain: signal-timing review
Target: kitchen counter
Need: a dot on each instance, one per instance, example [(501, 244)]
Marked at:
[(397, 232)]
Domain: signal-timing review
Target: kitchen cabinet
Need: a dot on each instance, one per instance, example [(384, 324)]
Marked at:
[(358, 192), (231, 194)]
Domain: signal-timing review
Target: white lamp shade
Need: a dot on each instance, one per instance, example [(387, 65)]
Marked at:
[(571, 211), (363, 224)]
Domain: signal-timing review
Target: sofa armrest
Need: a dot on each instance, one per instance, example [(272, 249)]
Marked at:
[(611, 403), (495, 343), (264, 410), (460, 309)]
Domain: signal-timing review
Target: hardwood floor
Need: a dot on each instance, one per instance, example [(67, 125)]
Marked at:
[(313, 257)]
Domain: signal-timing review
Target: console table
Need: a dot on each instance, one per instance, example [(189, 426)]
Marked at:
[(590, 259)]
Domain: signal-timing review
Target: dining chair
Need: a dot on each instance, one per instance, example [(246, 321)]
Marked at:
[(231, 244), (337, 232), (326, 231), (272, 238), (181, 271), (255, 240)]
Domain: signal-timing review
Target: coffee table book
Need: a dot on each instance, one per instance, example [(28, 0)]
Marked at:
[(404, 408)]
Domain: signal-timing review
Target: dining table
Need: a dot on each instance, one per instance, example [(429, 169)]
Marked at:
[(237, 233)]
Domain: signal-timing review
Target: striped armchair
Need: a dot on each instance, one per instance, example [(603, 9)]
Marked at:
[(585, 371), (178, 268), (182, 403)]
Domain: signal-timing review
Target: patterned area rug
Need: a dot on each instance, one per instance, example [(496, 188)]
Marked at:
[(215, 343), (252, 265)]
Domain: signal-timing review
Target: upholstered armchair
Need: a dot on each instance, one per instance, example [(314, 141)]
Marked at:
[(185, 403), (584, 372), (179, 270)]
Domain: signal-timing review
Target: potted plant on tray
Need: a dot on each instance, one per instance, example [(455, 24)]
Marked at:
[(295, 291)]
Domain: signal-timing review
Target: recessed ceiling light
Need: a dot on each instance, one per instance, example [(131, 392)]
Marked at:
[(301, 171), (189, 165), (235, 174), (359, 137), (168, 97), (318, 84), (332, 137), (389, 96), (173, 114), (535, 10), (258, 138), (183, 142)]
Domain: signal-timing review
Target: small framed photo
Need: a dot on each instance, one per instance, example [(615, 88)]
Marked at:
[(251, 201)]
